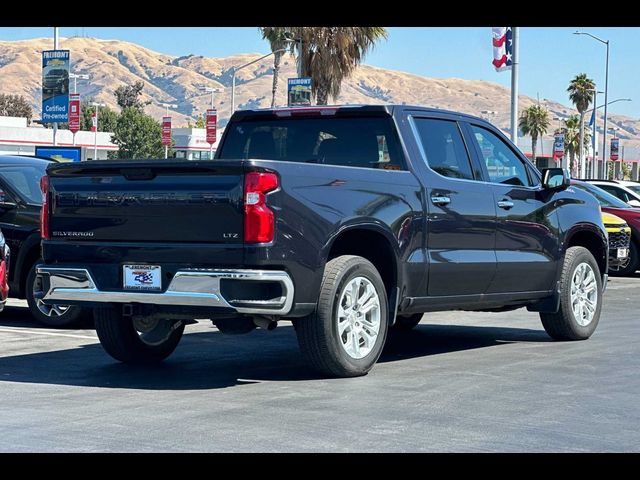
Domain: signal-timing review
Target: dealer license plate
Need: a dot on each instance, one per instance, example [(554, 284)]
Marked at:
[(142, 277), (623, 252)]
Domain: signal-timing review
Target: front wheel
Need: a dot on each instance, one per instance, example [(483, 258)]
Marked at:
[(140, 341), (580, 298), (50, 315), (346, 334)]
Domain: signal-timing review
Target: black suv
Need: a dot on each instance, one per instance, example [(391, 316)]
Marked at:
[(20, 204)]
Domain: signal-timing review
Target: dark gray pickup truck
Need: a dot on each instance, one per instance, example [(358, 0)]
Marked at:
[(345, 221)]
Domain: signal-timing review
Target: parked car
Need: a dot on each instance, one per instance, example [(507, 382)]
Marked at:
[(628, 192), (20, 204), (4, 271), (343, 220), (614, 205), (619, 239)]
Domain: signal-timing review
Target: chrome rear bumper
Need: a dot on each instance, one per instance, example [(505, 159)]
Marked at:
[(201, 288)]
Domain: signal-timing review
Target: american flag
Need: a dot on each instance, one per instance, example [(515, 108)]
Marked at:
[(502, 48)]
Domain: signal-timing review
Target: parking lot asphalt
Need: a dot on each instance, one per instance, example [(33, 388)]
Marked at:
[(459, 382)]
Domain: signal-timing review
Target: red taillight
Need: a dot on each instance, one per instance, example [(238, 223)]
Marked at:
[(44, 212), (259, 221)]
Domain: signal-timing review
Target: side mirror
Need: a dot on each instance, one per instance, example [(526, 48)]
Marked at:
[(5, 201), (555, 179), (634, 203)]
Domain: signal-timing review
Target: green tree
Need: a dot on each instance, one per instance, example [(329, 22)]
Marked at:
[(138, 135), (278, 38), (581, 94), (15, 106), (330, 54), (107, 118), (200, 123), (129, 96), (571, 130), (534, 121)]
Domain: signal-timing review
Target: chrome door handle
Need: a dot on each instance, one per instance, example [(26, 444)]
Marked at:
[(506, 204), (440, 200)]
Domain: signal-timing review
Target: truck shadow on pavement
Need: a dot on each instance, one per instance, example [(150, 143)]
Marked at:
[(211, 360)]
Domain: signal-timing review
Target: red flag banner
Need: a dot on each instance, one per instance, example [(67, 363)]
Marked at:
[(166, 130), (74, 112), (212, 120), (94, 121), (615, 147)]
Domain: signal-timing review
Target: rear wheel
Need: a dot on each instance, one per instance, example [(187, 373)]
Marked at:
[(632, 266), (140, 341), (580, 298), (50, 315), (346, 334), (405, 323)]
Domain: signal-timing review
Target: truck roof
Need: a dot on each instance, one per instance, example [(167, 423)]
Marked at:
[(386, 109)]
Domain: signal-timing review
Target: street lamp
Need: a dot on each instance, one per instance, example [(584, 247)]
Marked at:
[(212, 90), (167, 105), (606, 93), (604, 173), (592, 171), (235, 69), (95, 133), (75, 77)]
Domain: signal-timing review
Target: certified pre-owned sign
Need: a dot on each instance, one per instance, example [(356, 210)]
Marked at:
[(55, 86)]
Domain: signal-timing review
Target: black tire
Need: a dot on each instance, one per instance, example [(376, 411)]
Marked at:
[(318, 337), (409, 322), (632, 266), (121, 340), (70, 314), (563, 324)]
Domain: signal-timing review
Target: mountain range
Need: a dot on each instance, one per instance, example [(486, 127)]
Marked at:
[(176, 80)]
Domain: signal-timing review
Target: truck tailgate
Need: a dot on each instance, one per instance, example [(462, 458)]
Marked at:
[(147, 201)]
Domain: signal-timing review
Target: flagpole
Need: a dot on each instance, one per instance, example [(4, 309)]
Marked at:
[(514, 86)]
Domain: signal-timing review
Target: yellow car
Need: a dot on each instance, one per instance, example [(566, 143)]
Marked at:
[(619, 238)]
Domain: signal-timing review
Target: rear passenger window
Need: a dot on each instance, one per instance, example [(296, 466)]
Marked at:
[(444, 148)]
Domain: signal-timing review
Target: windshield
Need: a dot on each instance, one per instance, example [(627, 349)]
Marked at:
[(25, 179), (605, 199), (634, 188), (364, 142)]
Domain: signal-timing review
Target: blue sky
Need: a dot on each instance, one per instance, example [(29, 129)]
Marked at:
[(549, 56)]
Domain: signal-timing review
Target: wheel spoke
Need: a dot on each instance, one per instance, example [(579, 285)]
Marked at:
[(342, 326), (368, 293), (356, 343), (370, 305)]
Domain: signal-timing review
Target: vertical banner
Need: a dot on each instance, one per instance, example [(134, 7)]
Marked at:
[(502, 48), (558, 146), (55, 86), (94, 120), (74, 112), (615, 145), (166, 130), (299, 92), (211, 123)]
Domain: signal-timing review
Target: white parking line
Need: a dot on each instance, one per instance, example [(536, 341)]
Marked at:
[(41, 332)]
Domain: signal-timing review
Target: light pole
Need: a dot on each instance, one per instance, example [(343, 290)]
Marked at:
[(606, 93), (167, 105), (233, 76), (212, 90), (604, 172), (592, 169), (95, 133), (55, 47), (75, 77)]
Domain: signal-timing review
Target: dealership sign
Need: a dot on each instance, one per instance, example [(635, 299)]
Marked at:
[(94, 121), (74, 112), (299, 92), (166, 130), (615, 144), (558, 146), (55, 86), (212, 120)]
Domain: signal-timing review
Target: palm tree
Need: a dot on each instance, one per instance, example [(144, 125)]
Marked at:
[(330, 54), (581, 94), (278, 39), (534, 121), (571, 132)]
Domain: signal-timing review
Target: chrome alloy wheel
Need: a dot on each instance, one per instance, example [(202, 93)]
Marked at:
[(358, 317), (154, 331), (47, 310), (584, 294)]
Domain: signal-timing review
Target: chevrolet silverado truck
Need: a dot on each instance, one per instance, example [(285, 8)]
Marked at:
[(346, 221)]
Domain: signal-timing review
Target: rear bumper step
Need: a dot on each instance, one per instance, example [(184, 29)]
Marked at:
[(200, 288)]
